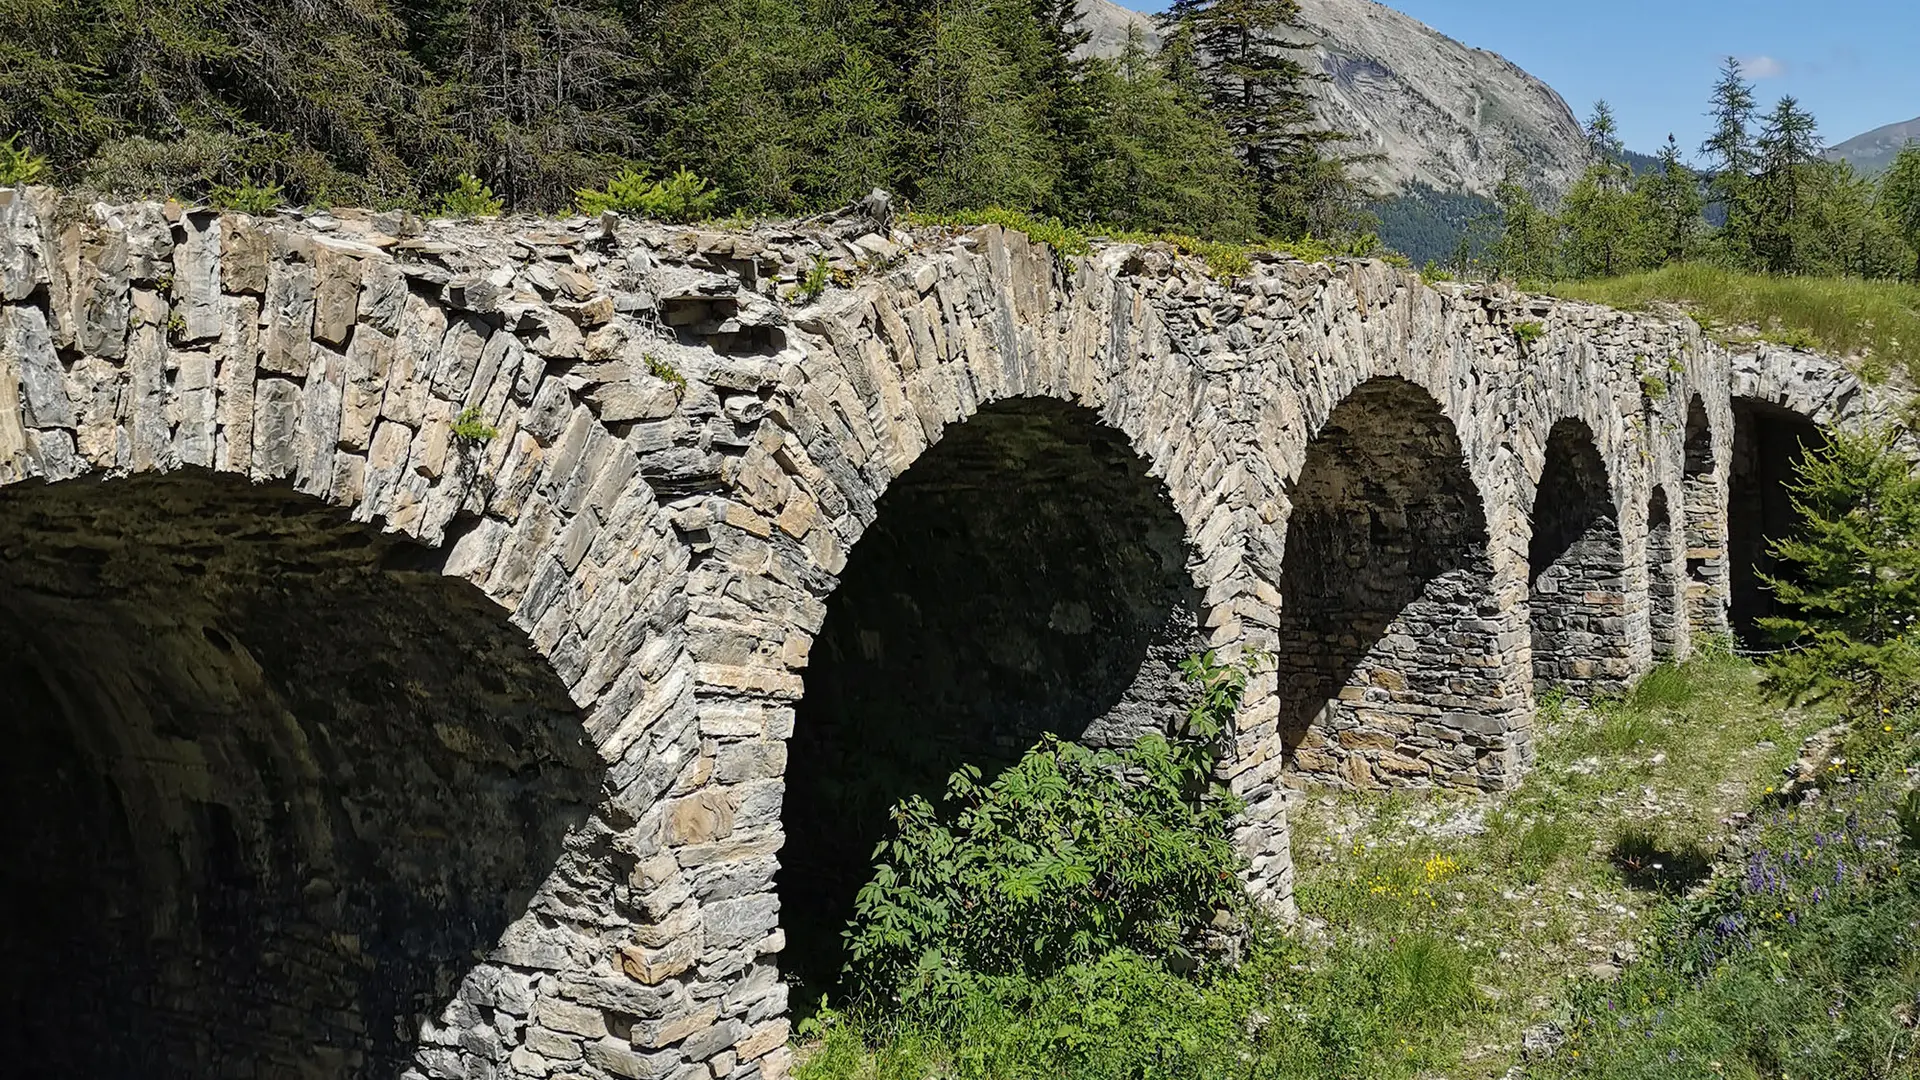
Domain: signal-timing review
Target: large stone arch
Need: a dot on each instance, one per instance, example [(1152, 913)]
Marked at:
[(273, 780), (284, 386), (1578, 603), (1386, 584), (988, 348), (1769, 442)]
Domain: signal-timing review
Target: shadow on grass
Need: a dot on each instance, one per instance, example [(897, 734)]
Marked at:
[(1647, 863)]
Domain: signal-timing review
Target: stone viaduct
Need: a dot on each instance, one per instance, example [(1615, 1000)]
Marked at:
[(487, 650)]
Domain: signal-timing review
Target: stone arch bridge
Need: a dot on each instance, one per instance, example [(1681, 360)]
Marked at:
[(482, 650)]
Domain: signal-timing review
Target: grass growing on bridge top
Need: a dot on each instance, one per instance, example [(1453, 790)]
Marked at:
[(1876, 322)]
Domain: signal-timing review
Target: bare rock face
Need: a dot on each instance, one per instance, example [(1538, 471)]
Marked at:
[(1872, 152), (1434, 111)]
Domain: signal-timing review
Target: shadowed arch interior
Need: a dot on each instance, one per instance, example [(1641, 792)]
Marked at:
[(1025, 576), (272, 782), (1663, 578), (1385, 583), (1576, 573), (1769, 443)]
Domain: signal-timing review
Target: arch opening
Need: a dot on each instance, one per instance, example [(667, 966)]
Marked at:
[(1664, 607), (1769, 442), (1706, 527), (1385, 587), (1026, 576), (273, 781), (1577, 599)]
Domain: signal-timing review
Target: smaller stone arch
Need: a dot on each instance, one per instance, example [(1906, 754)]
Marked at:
[(1385, 586), (1705, 526), (1665, 595), (1577, 601)]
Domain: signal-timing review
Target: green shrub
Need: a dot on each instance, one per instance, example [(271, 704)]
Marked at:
[(470, 427), (1526, 333), (682, 197), (248, 197), (470, 199), (666, 372), (819, 276), (1067, 856), (19, 165)]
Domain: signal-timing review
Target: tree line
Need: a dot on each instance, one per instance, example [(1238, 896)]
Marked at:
[(780, 106), (1767, 201)]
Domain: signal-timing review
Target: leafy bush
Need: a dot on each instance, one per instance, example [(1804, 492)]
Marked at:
[(1526, 333), (682, 197), (470, 199), (470, 427), (1065, 857), (19, 165)]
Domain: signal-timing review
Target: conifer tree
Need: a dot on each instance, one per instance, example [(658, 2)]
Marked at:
[(1247, 53), (1672, 198), (1899, 203), (1154, 158), (1730, 161), (1788, 145), (1850, 584), (1524, 250)]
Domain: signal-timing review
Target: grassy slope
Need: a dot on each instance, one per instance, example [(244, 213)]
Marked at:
[(1437, 928), (1533, 888), (1875, 321)]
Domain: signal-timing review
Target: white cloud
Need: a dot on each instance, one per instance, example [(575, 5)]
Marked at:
[(1763, 67)]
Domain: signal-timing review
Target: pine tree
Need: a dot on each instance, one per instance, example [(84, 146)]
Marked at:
[(1247, 55), (1603, 136), (1851, 578), (1671, 195), (1154, 158), (1604, 222), (984, 124), (1730, 159), (1788, 145), (1524, 249), (1899, 202)]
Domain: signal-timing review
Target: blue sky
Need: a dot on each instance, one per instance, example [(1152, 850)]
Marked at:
[(1854, 63)]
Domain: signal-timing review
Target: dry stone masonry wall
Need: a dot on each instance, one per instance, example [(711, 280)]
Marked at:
[(445, 648)]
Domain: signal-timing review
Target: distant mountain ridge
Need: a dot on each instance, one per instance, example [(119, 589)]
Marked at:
[(1874, 151), (1433, 112)]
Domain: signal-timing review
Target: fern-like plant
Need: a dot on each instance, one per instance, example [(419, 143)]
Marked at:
[(470, 199), (684, 196), (19, 165), (248, 197)]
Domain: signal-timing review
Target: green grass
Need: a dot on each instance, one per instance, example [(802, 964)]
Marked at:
[(1436, 927), (1223, 258), (1875, 322)]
